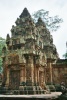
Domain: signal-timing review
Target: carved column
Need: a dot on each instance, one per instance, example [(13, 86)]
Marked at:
[(22, 74), (49, 66), (35, 74), (7, 81), (38, 74), (29, 69)]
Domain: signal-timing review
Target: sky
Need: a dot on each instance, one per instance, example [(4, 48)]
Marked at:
[(11, 9)]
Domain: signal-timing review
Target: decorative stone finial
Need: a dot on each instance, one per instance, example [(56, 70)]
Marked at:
[(25, 13), (40, 22), (8, 36)]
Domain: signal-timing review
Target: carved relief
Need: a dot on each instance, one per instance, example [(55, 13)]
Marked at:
[(13, 59)]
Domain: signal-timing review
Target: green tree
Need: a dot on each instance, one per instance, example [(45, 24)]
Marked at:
[(52, 23), (65, 55), (2, 44)]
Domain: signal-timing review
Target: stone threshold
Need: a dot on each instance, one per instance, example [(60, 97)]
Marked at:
[(52, 95)]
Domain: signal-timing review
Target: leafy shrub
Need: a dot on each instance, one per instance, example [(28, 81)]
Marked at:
[(51, 88), (58, 87)]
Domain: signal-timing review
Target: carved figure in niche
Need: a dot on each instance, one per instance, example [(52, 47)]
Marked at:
[(43, 58), (40, 57), (14, 59), (22, 58), (29, 59)]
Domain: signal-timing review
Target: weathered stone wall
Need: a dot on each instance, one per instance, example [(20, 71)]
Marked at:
[(59, 73)]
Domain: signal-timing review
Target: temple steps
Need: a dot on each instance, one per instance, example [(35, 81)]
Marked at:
[(27, 90)]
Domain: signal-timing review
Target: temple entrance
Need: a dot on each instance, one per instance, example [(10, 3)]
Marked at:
[(14, 79)]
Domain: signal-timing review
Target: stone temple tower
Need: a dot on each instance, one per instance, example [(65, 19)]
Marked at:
[(24, 59)]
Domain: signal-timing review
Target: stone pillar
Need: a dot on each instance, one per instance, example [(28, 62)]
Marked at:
[(38, 74), (49, 66), (42, 80), (36, 71), (35, 74), (45, 75), (7, 81), (22, 74), (32, 73), (51, 73), (30, 69)]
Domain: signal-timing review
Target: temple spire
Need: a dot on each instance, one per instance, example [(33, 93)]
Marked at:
[(40, 22), (25, 13)]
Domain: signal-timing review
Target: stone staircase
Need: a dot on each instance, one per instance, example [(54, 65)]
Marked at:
[(26, 90), (32, 90)]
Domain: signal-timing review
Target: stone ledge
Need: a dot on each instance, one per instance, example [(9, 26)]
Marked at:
[(52, 96)]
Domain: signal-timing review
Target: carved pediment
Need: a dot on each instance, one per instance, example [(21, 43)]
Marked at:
[(13, 58)]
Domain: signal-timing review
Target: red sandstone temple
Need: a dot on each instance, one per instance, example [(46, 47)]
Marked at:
[(30, 59)]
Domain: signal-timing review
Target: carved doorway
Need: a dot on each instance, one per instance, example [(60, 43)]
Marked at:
[(14, 79)]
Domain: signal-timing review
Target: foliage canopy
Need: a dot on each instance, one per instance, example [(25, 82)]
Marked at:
[(2, 44), (52, 23)]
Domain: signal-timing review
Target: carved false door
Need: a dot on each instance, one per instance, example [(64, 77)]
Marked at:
[(14, 79)]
